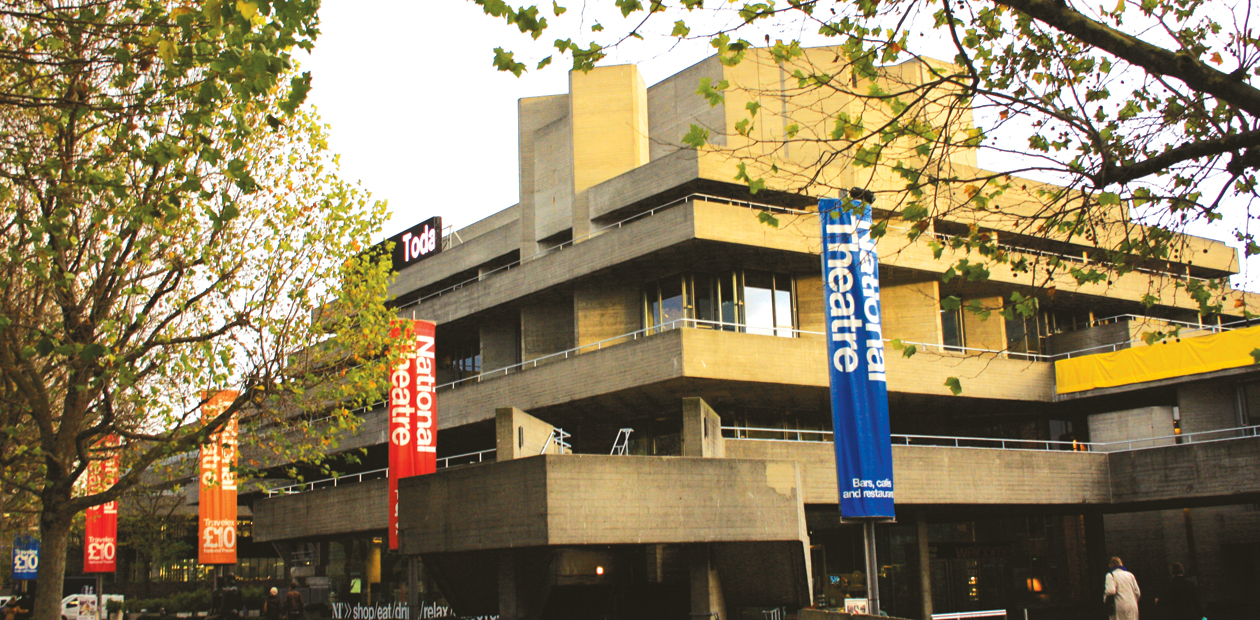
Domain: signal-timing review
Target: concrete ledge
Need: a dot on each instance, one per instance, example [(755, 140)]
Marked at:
[(354, 507), (600, 500), (945, 476), (1200, 471)]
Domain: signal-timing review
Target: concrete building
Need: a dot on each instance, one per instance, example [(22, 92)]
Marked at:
[(634, 412)]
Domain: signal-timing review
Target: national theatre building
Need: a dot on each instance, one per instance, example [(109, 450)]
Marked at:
[(634, 415)]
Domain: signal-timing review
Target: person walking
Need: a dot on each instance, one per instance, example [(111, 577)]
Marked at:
[(1181, 601), (293, 605), (231, 601), (1121, 587), (273, 607)]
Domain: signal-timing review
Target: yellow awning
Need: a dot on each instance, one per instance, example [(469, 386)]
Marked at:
[(1159, 361)]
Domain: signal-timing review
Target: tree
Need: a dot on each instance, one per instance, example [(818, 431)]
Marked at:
[(172, 226), (1109, 128)]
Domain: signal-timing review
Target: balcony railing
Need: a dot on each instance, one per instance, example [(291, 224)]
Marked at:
[(470, 458), (595, 233), (800, 435), (994, 443), (1058, 257)]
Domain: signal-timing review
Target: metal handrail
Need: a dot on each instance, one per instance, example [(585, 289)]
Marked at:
[(596, 232), (375, 474), (738, 433), (994, 443)]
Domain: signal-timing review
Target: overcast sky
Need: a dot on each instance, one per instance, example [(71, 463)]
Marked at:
[(422, 119)]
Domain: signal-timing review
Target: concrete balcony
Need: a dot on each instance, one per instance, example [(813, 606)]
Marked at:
[(565, 500), (687, 361)]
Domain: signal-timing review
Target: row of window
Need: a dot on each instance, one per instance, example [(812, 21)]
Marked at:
[(755, 302)]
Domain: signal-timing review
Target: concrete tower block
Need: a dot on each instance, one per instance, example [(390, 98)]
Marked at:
[(608, 113)]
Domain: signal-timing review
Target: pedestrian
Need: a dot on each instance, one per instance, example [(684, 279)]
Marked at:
[(273, 607), (231, 600), (1121, 588), (293, 605), (1181, 600)]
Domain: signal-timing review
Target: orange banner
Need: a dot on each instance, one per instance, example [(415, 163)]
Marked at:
[(216, 510), (412, 410), (100, 542)]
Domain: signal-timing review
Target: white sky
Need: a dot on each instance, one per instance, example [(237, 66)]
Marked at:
[(421, 117)]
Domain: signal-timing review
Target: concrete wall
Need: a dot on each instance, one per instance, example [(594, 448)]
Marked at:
[(533, 113), (601, 500), (912, 311), (1131, 424), (500, 342), (357, 507), (604, 310), (811, 313), (553, 178), (984, 332), (932, 475), (1082, 339), (673, 106), (546, 328), (1208, 406), (518, 435), (1188, 471), (729, 356), (702, 430)]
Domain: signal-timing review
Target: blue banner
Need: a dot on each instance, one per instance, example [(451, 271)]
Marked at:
[(855, 354), (25, 557)]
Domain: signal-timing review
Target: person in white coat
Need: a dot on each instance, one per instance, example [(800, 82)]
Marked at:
[(1121, 584)]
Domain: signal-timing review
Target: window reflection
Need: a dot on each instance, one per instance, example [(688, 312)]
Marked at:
[(756, 302)]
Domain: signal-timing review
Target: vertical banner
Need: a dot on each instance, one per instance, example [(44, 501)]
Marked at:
[(216, 510), (100, 542), (412, 410), (855, 356), (25, 558)]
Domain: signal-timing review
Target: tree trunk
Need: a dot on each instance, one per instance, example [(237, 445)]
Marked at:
[(54, 532)]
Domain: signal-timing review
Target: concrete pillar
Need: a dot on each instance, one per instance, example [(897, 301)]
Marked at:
[(609, 116), (510, 607), (706, 587), (518, 435), (925, 565), (702, 430)]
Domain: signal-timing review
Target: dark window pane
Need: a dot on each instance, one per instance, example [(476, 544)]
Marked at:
[(951, 330)]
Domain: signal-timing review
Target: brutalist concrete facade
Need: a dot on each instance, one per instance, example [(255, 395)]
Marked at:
[(630, 289)]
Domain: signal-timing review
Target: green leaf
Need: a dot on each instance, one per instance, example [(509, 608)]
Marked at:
[(766, 218), (1255, 355), (697, 137), (680, 29), (955, 387), (505, 61), (752, 107)]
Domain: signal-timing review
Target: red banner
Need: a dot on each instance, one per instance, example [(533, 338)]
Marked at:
[(100, 542), (412, 410), (216, 510)]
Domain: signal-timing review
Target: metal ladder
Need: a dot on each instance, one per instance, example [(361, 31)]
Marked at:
[(622, 442), (558, 437)]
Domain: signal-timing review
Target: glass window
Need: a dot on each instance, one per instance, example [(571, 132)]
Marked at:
[(784, 315), (758, 302), (952, 329)]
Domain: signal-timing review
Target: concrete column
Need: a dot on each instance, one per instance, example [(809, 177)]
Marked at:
[(518, 435), (706, 587), (925, 565), (702, 430), (510, 607)]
